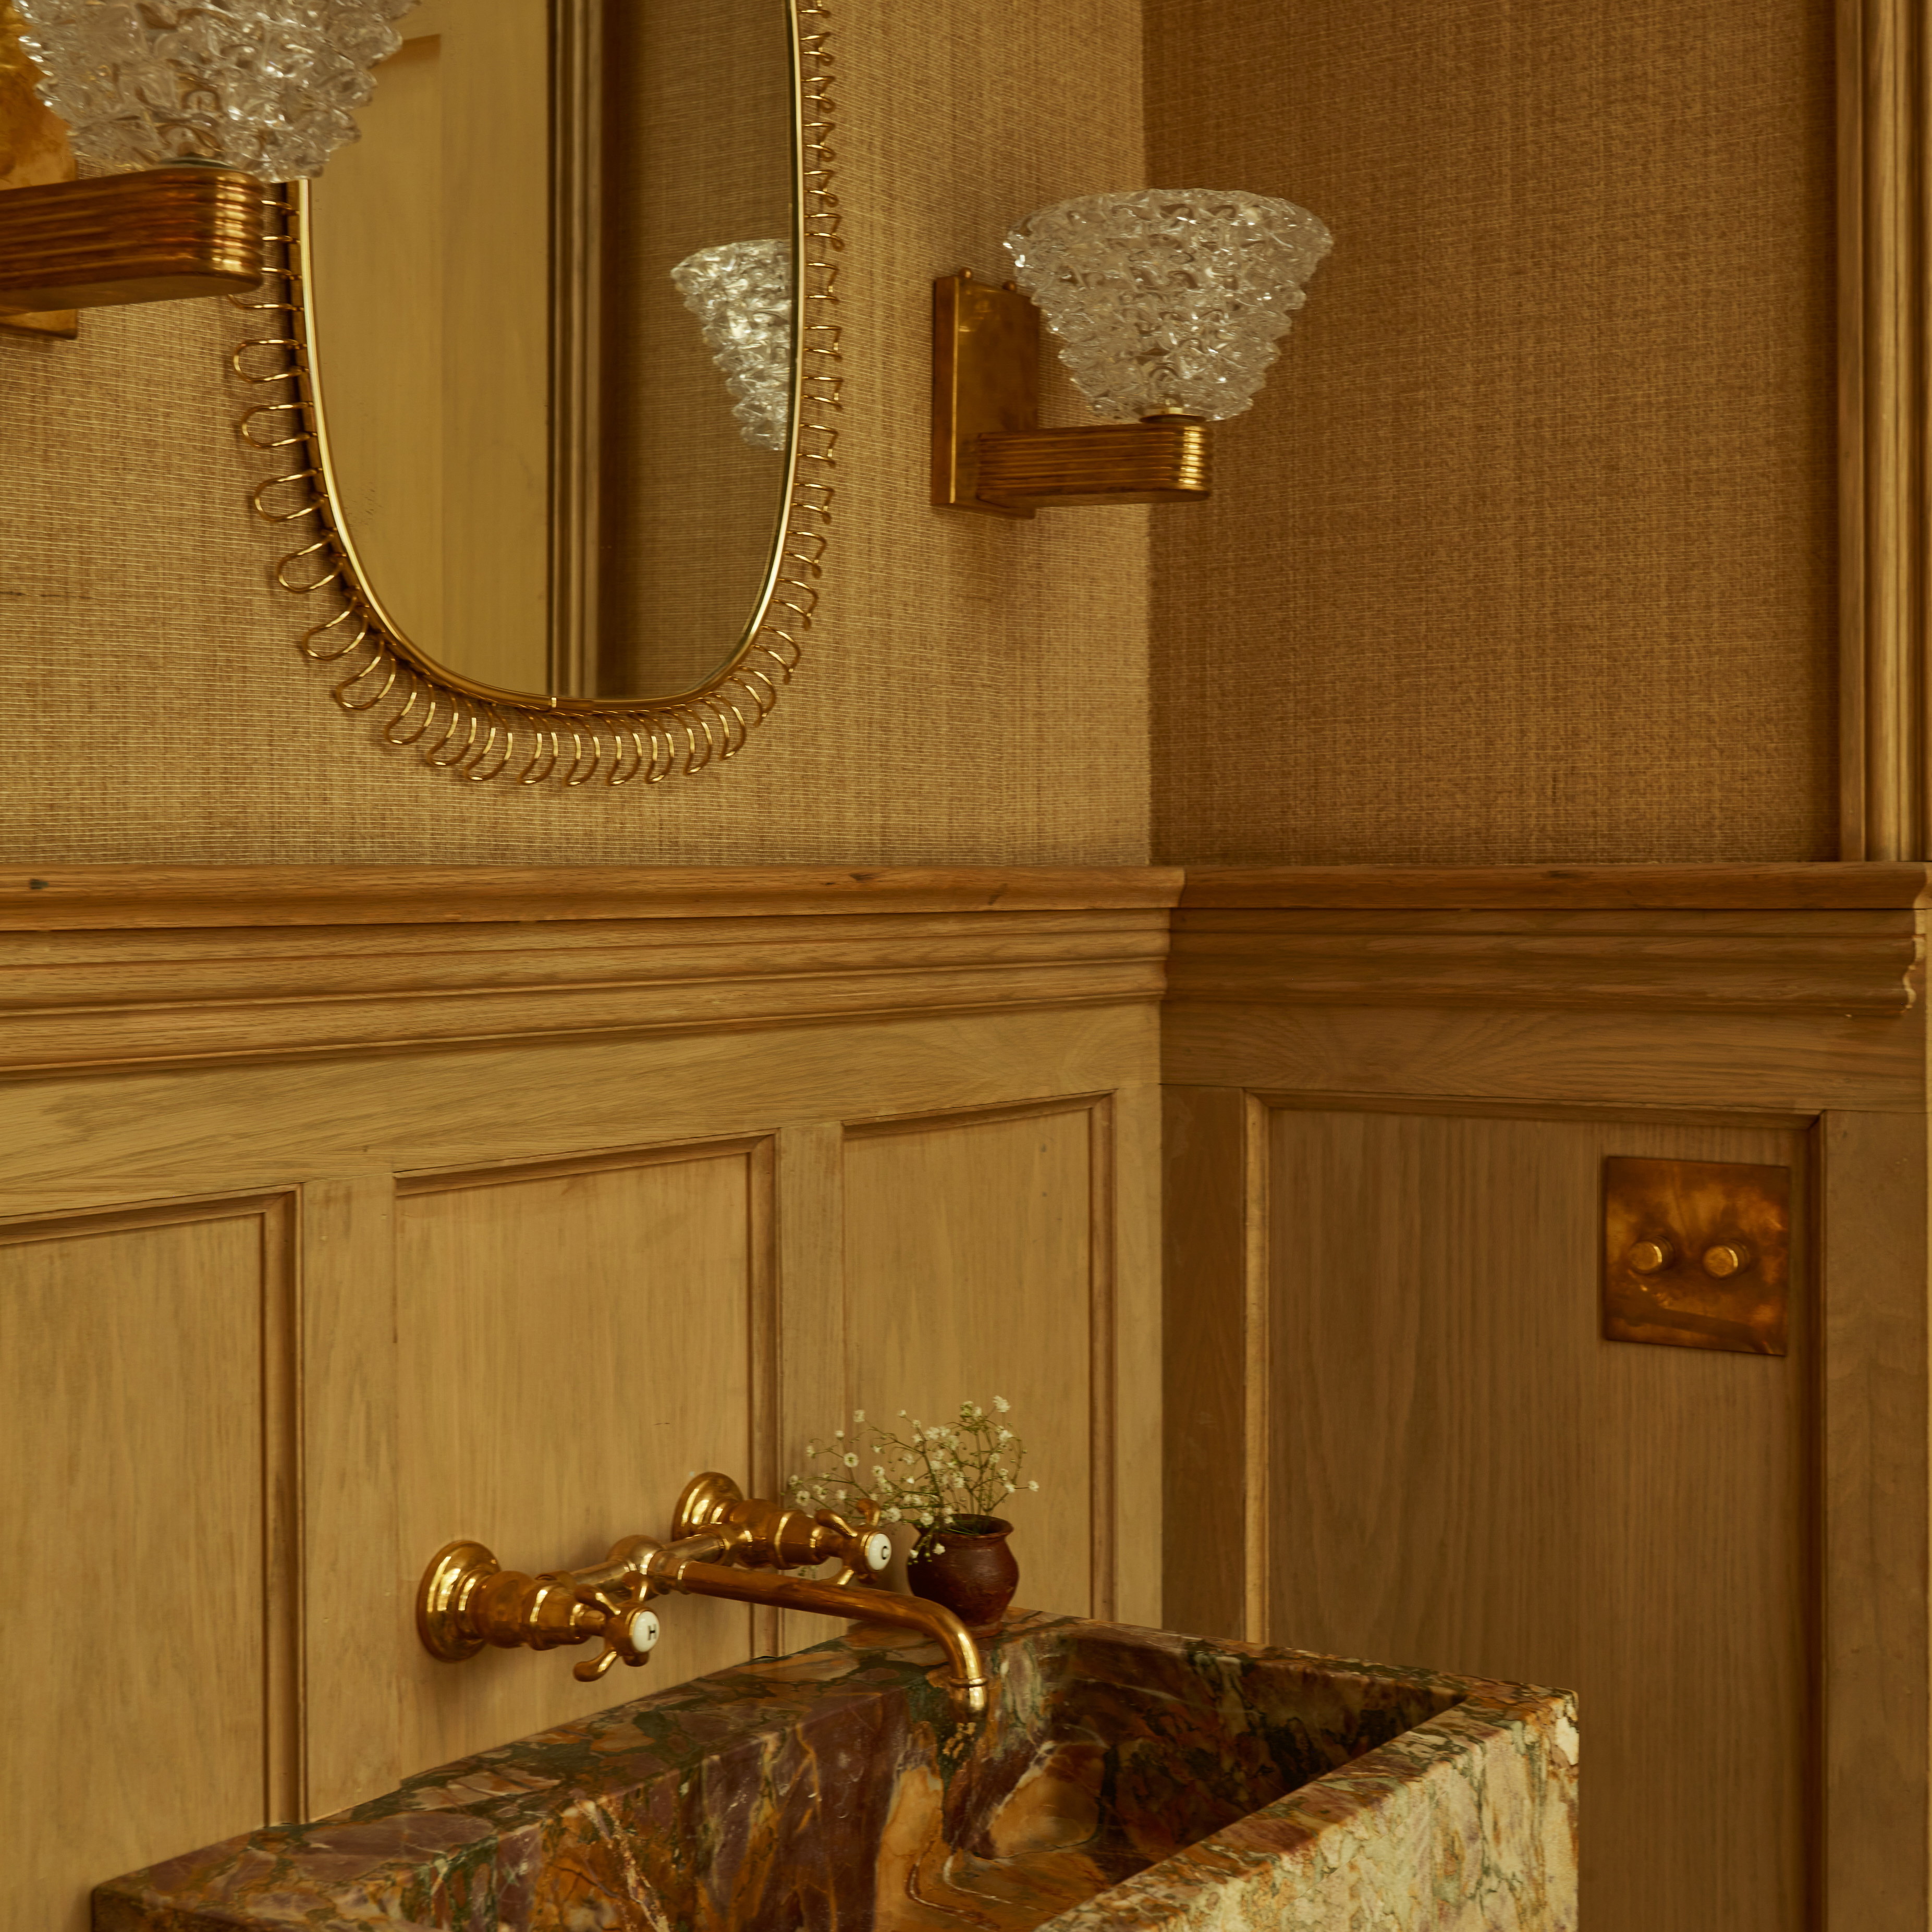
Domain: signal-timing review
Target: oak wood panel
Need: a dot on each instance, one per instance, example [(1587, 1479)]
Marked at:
[(1206, 1212), (1465, 1473), (1797, 1063), (89, 1139), (70, 999), (147, 1366), (1136, 1442), (1874, 1394), (1134, 1455), (130, 898), (573, 1345), (351, 1588), (814, 1371), (969, 1273), (1556, 888)]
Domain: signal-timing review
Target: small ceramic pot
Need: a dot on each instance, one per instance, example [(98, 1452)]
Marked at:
[(973, 1574)]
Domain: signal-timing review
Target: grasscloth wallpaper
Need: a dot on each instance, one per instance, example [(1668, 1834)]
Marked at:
[(975, 691), (1526, 553)]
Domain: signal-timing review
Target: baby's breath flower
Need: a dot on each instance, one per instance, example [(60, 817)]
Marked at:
[(939, 1472), (1033, 1486)]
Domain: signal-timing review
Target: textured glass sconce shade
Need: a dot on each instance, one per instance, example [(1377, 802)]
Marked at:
[(740, 292), (264, 86), (1168, 301)]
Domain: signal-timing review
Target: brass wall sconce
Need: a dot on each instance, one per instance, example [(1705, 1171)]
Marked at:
[(723, 1543), (206, 100), (1169, 305)]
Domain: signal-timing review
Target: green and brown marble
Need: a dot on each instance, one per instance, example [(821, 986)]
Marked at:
[(1123, 1778)]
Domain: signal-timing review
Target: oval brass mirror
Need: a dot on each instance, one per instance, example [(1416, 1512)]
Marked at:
[(558, 370)]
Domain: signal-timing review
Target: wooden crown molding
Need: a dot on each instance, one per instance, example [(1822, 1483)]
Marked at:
[(73, 898), (111, 967), (1846, 964), (1836, 939), (1559, 888), (119, 966)]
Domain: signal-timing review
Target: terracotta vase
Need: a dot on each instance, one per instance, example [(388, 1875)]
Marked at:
[(973, 1574)]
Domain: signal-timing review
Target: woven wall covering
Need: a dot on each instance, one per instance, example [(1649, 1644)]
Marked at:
[(1527, 552), (975, 690)]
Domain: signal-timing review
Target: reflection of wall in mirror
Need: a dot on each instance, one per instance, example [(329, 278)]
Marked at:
[(697, 152), (432, 317)]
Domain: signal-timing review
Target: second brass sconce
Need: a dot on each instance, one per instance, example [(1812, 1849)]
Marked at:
[(1169, 303)]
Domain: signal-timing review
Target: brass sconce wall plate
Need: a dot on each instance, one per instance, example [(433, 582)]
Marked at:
[(1697, 1255), (989, 453)]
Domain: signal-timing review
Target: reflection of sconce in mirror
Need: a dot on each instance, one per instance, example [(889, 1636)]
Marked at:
[(208, 99), (1169, 303), (740, 292)]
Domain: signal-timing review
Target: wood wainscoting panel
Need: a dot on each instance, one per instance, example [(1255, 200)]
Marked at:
[(575, 1341), (149, 1542), (972, 1270), (1461, 1471)]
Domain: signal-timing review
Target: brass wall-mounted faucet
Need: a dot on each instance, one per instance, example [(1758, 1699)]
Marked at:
[(723, 1543)]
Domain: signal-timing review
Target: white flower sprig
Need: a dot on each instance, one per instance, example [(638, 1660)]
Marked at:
[(941, 1476)]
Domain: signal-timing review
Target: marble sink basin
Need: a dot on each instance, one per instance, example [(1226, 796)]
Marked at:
[(1123, 1777)]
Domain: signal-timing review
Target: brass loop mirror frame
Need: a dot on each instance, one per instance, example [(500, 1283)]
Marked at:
[(460, 726)]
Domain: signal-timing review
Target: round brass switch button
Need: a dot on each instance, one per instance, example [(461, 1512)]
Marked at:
[(1651, 1257), (1726, 1259)]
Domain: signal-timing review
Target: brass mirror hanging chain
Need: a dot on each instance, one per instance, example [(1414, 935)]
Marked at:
[(482, 734)]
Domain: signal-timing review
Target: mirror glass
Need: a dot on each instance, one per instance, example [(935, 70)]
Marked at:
[(551, 292)]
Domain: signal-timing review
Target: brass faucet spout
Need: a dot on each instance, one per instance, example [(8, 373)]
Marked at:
[(968, 1682)]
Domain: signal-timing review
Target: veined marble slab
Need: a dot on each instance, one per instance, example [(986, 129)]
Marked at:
[(1123, 1778)]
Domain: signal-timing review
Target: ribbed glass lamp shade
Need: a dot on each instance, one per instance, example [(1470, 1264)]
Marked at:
[(267, 86), (740, 292), (1168, 300)]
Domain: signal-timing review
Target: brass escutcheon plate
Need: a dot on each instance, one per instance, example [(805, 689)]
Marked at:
[(1697, 1255)]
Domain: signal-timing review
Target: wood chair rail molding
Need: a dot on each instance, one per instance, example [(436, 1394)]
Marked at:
[(112, 966), (103, 966)]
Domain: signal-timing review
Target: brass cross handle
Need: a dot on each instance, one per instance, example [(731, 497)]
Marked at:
[(468, 1599), (629, 1637), (768, 1536)]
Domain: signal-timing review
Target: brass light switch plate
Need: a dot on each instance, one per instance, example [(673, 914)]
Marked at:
[(1697, 1255)]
